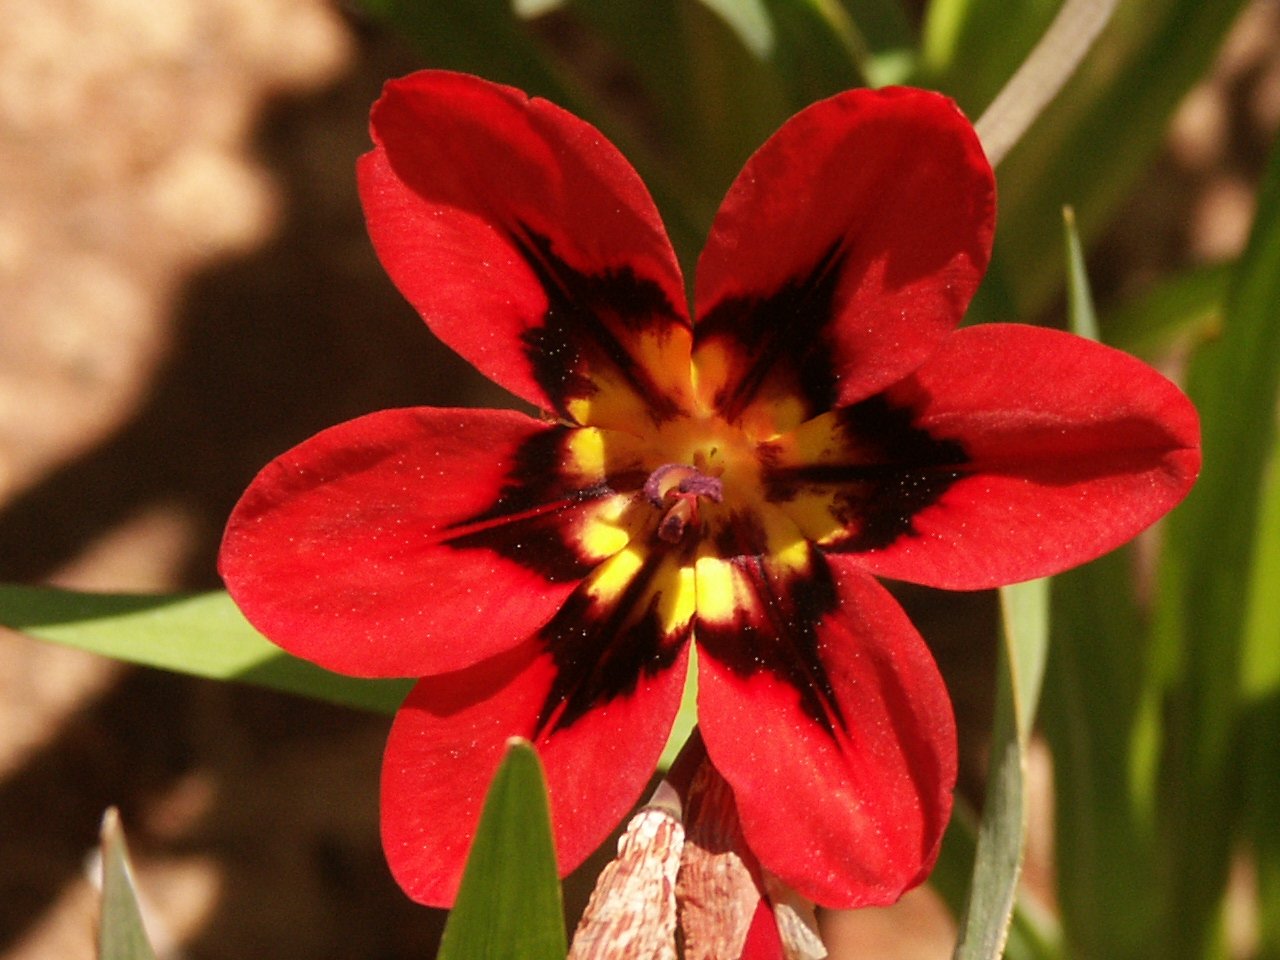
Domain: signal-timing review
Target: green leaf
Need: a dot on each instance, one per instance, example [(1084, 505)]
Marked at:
[(819, 51), (1091, 143), (883, 24), (508, 906), (121, 935), (686, 718), (1187, 305), (1251, 325), (1024, 609), (984, 927), (1097, 706), (485, 37), (1261, 687), (1033, 932), (749, 19), (1082, 318), (1260, 671), (712, 97), (201, 634), (711, 100), (1204, 582), (205, 635), (1041, 76), (972, 47)]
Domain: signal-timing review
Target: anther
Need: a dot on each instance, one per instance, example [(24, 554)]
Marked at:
[(677, 487)]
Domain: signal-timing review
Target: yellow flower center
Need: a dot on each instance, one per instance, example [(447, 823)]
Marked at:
[(702, 463)]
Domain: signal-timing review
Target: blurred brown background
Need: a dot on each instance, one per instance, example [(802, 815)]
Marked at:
[(186, 290)]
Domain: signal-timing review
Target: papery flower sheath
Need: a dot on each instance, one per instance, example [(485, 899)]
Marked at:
[(739, 479), (685, 884)]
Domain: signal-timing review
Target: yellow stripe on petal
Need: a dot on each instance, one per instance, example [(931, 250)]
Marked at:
[(611, 578), (626, 623), (817, 514), (636, 584), (815, 507), (857, 477), (719, 590), (606, 527), (711, 362), (586, 453), (746, 545), (773, 409), (650, 385), (678, 598)]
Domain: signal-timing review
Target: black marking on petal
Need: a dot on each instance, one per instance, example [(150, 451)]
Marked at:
[(780, 634), (537, 478), (526, 522), (536, 542), (585, 312), (901, 469), (602, 651), (782, 333)]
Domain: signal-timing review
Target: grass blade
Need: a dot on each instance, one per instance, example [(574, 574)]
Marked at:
[(984, 926), (121, 935), (199, 634), (508, 906)]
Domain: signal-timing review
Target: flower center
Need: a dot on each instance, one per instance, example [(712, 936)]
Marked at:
[(676, 488)]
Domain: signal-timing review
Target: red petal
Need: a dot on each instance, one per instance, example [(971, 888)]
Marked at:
[(847, 248), (529, 245), (1072, 448), (412, 542), (823, 709), (448, 739), (763, 942)]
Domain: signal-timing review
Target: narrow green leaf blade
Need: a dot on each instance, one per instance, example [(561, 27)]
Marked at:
[(1024, 609), (508, 906), (984, 928), (1095, 708), (883, 23), (1260, 674), (1187, 305), (1250, 555), (818, 52), (485, 37), (750, 20), (1204, 582), (704, 96), (1261, 682), (972, 47), (1090, 144), (1041, 76), (686, 718), (121, 935), (1081, 316), (199, 634), (1097, 702), (1033, 932)]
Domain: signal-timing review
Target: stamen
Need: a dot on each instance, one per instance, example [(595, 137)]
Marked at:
[(680, 478), (677, 487), (674, 522)]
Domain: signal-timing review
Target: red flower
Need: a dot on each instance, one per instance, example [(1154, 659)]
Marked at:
[(739, 479)]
